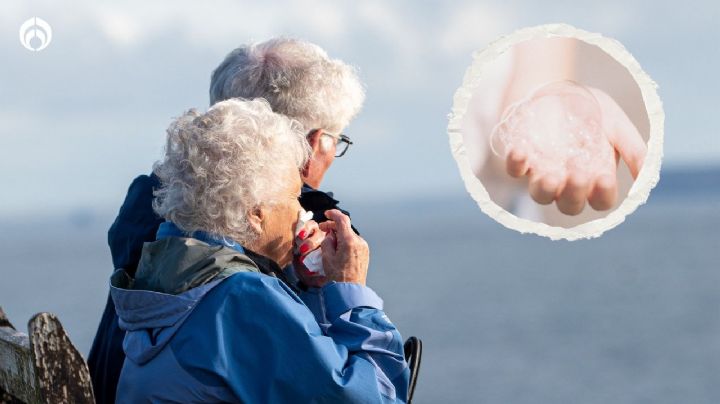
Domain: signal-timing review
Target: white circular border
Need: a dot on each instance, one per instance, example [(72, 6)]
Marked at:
[(647, 178)]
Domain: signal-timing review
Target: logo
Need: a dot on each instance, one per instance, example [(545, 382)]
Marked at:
[(35, 34)]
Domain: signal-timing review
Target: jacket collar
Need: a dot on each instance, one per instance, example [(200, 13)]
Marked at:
[(170, 229), (266, 265)]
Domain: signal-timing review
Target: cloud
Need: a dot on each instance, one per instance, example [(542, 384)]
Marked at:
[(472, 26)]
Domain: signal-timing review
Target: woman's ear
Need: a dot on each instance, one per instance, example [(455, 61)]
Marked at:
[(256, 217)]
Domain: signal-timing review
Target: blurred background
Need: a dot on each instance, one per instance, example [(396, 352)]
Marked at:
[(631, 317)]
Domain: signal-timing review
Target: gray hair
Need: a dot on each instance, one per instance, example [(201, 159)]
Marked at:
[(221, 164), (297, 78)]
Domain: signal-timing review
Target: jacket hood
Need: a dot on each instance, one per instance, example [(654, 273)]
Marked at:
[(174, 274)]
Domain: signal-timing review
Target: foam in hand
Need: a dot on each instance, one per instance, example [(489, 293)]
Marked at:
[(559, 127)]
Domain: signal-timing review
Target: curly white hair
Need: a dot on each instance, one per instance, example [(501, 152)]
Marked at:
[(221, 164), (297, 78)]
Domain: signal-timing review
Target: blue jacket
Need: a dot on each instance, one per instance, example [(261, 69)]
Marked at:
[(136, 224), (225, 332)]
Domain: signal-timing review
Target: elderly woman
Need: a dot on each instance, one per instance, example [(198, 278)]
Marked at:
[(206, 319)]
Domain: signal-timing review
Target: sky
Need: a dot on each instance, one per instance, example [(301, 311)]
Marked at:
[(84, 116)]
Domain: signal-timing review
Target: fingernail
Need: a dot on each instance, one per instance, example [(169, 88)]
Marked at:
[(301, 235), (304, 248)]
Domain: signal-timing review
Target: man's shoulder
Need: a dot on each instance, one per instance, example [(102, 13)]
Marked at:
[(135, 223), (317, 199), (140, 192), (144, 182), (319, 202)]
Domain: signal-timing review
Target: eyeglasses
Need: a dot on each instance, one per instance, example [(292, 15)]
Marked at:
[(342, 142)]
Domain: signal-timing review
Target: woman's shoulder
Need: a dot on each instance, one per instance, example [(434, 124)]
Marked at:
[(239, 299), (257, 286)]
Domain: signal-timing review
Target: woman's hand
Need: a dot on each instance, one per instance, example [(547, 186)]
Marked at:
[(571, 192), (346, 255), (309, 239)]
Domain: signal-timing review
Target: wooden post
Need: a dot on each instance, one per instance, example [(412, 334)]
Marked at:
[(9, 353), (43, 367), (4, 322)]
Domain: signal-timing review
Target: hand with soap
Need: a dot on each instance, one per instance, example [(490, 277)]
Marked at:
[(566, 138)]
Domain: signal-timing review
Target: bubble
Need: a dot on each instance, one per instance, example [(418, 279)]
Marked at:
[(559, 128)]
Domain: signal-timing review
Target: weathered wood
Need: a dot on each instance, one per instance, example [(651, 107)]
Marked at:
[(61, 371), (4, 322), (16, 370), (43, 367), (5, 397)]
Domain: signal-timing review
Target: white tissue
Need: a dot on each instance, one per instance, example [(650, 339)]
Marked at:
[(303, 217), (313, 259), (313, 262)]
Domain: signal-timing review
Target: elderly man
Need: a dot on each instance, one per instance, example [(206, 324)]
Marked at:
[(299, 80)]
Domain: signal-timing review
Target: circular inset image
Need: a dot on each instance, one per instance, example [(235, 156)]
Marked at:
[(557, 131)]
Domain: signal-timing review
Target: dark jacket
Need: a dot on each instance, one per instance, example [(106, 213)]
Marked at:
[(135, 224)]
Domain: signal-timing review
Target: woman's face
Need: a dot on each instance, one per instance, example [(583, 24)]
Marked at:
[(279, 221)]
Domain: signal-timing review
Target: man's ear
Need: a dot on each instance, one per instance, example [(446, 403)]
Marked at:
[(313, 140), (256, 218)]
